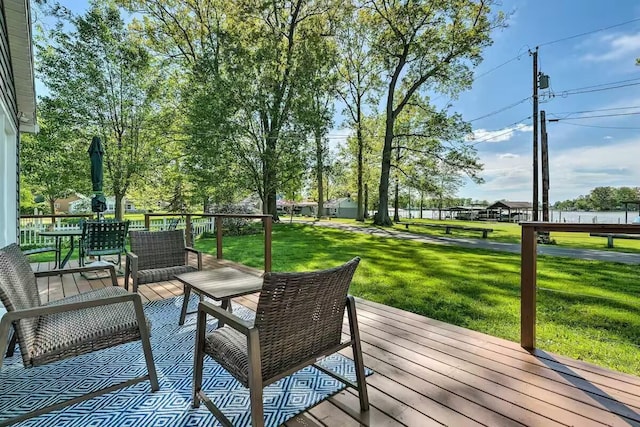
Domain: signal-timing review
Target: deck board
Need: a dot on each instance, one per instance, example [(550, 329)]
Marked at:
[(430, 373)]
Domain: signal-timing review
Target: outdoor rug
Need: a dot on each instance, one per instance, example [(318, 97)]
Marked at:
[(25, 389)]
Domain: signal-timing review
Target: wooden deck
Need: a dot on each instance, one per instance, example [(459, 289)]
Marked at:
[(432, 373)]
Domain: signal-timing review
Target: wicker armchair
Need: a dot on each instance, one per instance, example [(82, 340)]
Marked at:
[(156, 256), (103, 238), (69, 327), (298, 320)]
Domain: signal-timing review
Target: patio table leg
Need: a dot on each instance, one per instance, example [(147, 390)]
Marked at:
[(185, 303)]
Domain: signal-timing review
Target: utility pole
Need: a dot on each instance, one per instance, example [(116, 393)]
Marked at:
[(535, 133), (545, 166)]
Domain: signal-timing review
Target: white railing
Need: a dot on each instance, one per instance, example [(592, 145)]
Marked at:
[(31, 227)]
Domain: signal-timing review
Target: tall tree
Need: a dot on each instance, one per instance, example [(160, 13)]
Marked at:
[(360, 84), (104, 80), (254, 56), (54, 162), (427, 45)]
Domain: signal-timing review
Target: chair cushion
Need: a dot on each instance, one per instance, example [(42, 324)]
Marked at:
[(77, 332), (161, 274), (228, 347)]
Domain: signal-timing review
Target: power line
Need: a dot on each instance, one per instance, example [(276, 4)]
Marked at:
[(557, 41), (599, 127), (594, 111), (596, 116), (577, 92), (602, 84), (493, 113), (589, 32), (510, 128)]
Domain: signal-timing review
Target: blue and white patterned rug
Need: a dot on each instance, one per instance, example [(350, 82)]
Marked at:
[(22, 390)]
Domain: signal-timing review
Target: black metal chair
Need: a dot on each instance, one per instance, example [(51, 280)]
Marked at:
[(69, 327), (298, 320), (101, 238)]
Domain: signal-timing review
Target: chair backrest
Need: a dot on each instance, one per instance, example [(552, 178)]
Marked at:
[(173, 224), (19, 290), (300, 315), (158, 249), (104, 237)]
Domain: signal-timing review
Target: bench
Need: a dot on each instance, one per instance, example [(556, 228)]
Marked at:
[(610, 237), (449, 227)]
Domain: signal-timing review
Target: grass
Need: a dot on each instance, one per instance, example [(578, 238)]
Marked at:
[(586, 310), (506, 232)]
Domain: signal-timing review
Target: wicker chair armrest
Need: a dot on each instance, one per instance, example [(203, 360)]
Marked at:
[(240, 325), (12, 316), (131, 255), (189, 249)]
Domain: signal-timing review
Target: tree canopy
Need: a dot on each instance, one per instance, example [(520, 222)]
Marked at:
[(204, 103)]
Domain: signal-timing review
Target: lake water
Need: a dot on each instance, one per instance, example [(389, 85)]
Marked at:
[(555, 216)]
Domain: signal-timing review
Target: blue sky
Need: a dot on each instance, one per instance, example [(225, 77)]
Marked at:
[(581, 157)]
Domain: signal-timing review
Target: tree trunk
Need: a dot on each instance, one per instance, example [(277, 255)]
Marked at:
[(421, 203), (270, 177), (366, 200), (119, 211), (360, 211), (52, 206), (319, 169), (396, 203), (382, 216)]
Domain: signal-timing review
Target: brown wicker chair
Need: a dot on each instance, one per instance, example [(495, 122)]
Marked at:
[(298, 320), (156, 256), (69, 327)]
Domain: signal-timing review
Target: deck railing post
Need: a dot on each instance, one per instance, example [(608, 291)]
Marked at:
[(528, 288), (218, 237), (267, 243), (147, 222), (188, 230)]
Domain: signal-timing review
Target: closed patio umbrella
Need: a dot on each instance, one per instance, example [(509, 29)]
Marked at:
[(98, 203)]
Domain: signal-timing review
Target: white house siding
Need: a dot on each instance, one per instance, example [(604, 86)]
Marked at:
[(9, 194), (17, 108)]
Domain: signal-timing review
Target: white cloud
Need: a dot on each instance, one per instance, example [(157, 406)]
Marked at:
[(608, 137), (572, 171), (499, 135), (614, 47)]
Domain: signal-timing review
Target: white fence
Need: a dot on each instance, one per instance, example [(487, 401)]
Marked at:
[(30, 228)]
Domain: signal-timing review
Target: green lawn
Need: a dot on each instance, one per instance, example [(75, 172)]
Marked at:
[(505, 232), (586, 310)]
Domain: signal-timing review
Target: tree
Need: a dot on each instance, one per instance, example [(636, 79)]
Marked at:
[(360, 84), (424, 45), (252, 57), (602, 198), (53, 161), (106, 84)]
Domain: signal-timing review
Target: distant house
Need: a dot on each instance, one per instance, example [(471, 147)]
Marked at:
[(64, 205), (345, 207), (111, 205)]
